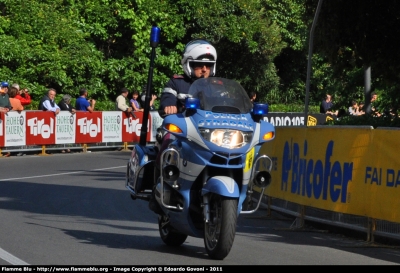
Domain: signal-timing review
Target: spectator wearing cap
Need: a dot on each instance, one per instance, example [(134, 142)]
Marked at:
[(4, 87), (82, 103), (5, 104), (120, 102), (22, 95), (65, 104), (47, 103), (15, 103)]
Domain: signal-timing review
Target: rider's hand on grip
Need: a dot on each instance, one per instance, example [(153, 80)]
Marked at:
[(168, 110)]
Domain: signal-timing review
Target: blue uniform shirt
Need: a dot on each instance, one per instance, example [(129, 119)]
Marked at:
[(178, 84), (81, 104)]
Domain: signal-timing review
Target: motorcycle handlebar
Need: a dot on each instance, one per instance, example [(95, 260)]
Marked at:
[(161, 112)]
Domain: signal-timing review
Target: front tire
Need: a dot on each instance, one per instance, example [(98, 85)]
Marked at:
[(219, 232), (169, 237)]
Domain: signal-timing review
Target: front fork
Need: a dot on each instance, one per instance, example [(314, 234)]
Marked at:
[(206, 208)]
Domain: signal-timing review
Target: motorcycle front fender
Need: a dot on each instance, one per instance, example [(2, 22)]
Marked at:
[(222, 185)]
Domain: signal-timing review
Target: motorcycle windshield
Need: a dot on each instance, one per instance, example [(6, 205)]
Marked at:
[(221, 96)]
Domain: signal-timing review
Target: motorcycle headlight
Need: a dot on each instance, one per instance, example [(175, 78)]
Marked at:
[(226, 138)]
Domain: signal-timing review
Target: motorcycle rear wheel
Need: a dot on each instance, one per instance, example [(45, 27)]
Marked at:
[(219, 232), (169, 237)]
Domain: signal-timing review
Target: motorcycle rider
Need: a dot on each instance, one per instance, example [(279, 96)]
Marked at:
[(198, 61)]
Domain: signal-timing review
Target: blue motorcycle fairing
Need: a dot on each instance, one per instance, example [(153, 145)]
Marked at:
[(191, 152), (178, 120), (222, 185), (140, 158), (206, 119), (182, 219), (140, 153)]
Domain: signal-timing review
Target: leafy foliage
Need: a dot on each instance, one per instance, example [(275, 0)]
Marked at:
[(292, 108), (363, 34), (104, 46), (367, 120)]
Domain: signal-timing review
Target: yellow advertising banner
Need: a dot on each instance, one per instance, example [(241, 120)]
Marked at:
[(348, 169)]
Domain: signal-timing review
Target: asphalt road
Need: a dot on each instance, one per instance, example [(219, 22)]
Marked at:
[(73, 209)]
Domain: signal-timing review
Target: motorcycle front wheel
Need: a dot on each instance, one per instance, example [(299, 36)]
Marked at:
[(219, 232), (169, 237)]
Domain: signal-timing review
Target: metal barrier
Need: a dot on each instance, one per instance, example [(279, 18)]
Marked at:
[(370, 226), (345, 176), (44, 149)]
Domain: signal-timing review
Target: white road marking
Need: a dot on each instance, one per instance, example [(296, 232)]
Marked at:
[(4, 255), (58, 174)]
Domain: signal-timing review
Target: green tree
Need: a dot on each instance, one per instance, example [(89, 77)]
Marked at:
[(247, 41), (46, 49), (292, 60), (363, 34), (104, 45)]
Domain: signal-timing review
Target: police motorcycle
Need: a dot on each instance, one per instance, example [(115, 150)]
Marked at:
[(207, 174)]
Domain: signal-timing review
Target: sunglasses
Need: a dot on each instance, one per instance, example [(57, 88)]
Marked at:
[(200, 65)]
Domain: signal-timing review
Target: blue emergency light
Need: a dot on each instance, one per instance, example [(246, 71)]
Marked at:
[(192, 103), (260, 109)]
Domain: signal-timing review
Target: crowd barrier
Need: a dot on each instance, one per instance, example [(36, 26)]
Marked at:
[(43, 128), (341, 174), (350, 174)]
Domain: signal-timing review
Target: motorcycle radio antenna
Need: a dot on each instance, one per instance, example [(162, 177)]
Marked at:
[(154, 40)]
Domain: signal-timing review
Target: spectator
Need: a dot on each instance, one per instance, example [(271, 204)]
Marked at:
[(252, 96), (353, 109), (361, 110), (120, 102), (374, 100), (5, 104), (327, 105), (152, 100), (47, 103), (5, 87), (22, 95), (374, 97), (134, 103), (82, 103), (15, 103), (65, 104)]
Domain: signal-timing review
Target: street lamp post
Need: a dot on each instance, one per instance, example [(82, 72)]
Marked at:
[(309, 64)]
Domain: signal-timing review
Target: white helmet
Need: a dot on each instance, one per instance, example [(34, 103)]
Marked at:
[(198, 51)]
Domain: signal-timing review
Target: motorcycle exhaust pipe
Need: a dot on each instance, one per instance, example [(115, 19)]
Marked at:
[(170, 173), (262, 179)]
